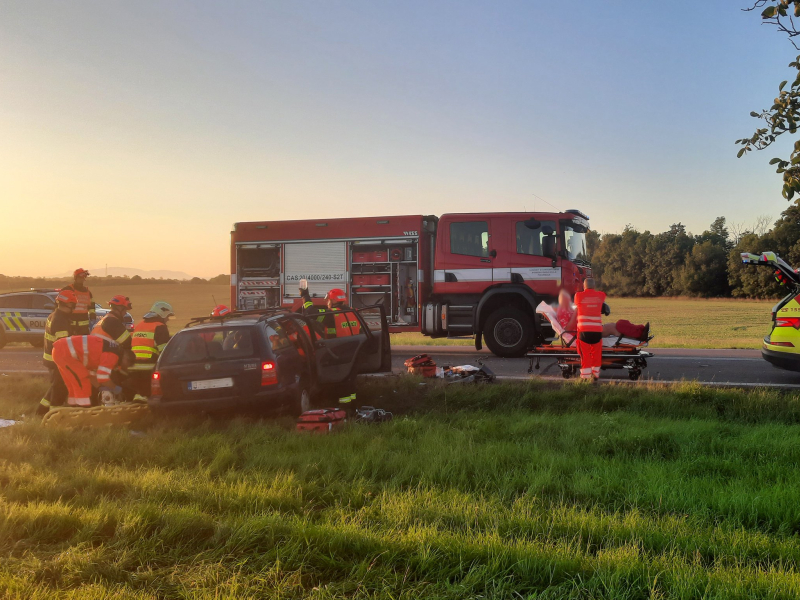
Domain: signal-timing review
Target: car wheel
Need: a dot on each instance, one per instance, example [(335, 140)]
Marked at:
[(507, 332), (38, 343), (302, 401)]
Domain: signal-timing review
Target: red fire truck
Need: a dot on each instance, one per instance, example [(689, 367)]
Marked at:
[(480, 274)]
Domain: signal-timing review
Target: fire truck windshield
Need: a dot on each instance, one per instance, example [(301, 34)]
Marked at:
[(575, 243)]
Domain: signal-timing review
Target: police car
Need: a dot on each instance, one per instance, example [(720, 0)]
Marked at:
[(23, 316)]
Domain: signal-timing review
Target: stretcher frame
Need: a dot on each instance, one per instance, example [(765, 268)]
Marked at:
[(631, 357)]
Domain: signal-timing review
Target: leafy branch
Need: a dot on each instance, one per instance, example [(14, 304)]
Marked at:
[(784, 114)]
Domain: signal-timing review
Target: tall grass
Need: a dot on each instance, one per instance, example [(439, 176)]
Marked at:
[(503, 491)]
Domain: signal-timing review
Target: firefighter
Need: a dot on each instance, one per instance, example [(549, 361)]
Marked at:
[(590, 305), (342, 323), (112, 326), (150, 336), (83, 315), (59, 325), (85, 363)]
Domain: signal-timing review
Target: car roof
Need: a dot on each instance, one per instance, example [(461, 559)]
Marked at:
[(238, 320), (30, 292)]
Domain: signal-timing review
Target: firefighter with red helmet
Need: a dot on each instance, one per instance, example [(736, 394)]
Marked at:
[(342, 322), (112, 326), (84, 314), (59, 325)]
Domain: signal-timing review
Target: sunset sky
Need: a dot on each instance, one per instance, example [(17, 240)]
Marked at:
[(136, 133)]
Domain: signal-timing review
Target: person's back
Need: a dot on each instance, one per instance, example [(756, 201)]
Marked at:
[(589, 304), (589, 309)]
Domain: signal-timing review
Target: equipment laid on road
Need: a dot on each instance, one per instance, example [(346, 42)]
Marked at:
[(322, 420), (781, 347), (370, 414), (477, 274), (96, 416), (617, 352)]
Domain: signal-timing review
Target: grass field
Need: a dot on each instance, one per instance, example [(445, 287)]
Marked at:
[(505, 491), (677, 323)]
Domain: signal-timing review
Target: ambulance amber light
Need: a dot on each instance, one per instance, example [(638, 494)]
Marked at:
[(788, 322), (269, 374)]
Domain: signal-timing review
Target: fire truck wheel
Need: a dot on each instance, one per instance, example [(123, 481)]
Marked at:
[(507, 331)]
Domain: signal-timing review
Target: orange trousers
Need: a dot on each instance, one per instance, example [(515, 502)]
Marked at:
[(75, 376), (591, 359)]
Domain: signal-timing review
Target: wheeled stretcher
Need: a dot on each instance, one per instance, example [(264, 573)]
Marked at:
[(618, 352)]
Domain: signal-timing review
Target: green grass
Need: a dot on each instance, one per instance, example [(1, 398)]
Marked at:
[(505, 491), (676, 323)]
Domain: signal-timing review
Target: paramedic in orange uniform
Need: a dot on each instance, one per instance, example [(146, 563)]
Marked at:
[(589, 305), (86, 362)]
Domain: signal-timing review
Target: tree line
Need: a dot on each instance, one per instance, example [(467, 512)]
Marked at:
[(677, 263)]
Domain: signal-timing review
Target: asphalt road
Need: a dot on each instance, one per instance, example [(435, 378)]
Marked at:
[(740, 368)]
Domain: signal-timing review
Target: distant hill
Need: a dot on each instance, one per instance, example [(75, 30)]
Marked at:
[(130, 272)]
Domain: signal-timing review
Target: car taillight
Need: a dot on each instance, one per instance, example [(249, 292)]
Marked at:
[(788, 322), (269, 373), (784, 344), (155, 384)]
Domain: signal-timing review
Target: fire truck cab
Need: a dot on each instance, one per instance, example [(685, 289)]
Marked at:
[(475, 274)]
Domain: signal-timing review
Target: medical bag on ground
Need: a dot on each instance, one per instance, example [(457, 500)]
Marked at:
[(321, 420), (421, 364)]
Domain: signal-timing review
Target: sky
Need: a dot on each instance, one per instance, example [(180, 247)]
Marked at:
[(136, 133)]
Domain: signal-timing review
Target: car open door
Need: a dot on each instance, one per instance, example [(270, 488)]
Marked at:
[(360, 346)]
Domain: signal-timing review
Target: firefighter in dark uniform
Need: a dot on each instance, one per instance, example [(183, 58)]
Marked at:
[(112, 327), (84, 313), (150, 337), (59, 325), (322, 324)]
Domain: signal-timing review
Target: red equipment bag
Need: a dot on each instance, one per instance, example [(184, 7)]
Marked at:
[(321, 420), (421, 364)]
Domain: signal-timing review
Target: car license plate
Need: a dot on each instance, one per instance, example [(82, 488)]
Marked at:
[(211, 384)]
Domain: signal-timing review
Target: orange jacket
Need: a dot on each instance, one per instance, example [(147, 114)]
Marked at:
[(590, 310), (90, 350)]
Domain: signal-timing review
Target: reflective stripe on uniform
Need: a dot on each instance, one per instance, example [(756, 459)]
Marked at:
[(71, 347), (85, 339), (123, 336), (142, 366), (47, 356)]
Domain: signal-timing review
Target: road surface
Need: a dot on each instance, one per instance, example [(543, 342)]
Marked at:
[(741, 368)]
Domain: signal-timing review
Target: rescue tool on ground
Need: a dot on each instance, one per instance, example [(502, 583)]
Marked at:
[(781, 347), (478, 274)]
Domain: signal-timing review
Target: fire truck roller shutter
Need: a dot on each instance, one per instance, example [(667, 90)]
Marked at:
[(323, 264)]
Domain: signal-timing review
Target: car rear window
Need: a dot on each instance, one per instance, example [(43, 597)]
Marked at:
[(222, 343)]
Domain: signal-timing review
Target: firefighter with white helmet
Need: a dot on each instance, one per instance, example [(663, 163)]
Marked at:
[(150, 336)]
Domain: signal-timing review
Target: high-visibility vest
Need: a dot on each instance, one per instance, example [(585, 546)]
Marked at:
[(99, 331), (346, 324), (144, 345), (590, 310), (90, 350), (84, 308)]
